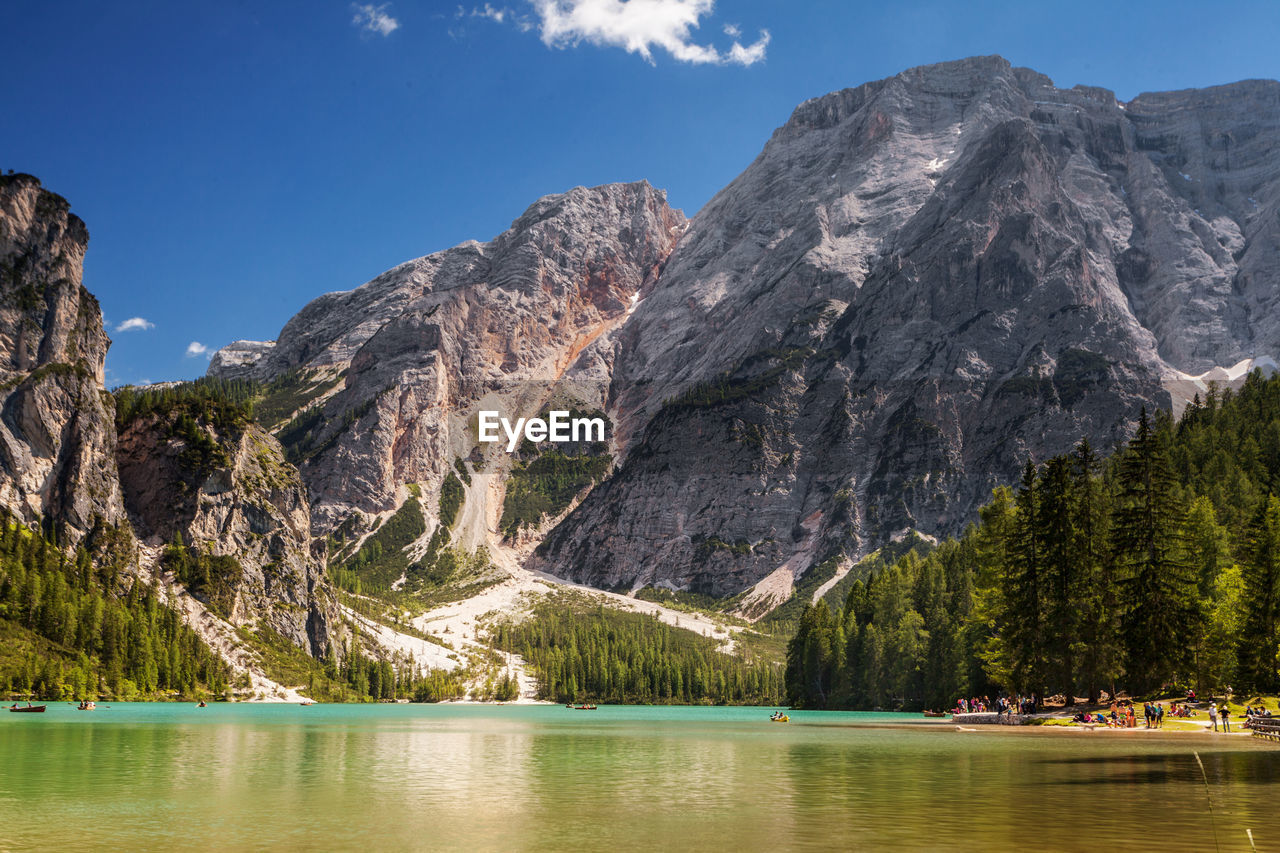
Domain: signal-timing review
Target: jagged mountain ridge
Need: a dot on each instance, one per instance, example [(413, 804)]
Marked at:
[(514, 322), (918, 284)]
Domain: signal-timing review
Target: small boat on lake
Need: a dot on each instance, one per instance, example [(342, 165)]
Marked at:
[(935, 713), (306, 703), (29, 709), (584, 707), (779, 717), (87, 705), (202, 704)]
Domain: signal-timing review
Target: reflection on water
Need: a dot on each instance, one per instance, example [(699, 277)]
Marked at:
[(620, 778)]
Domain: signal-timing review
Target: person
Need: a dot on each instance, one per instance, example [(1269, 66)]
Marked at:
[(1213, 715), (1225, 714), (1159, 716)]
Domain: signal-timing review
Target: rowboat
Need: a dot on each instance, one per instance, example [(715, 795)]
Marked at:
[(30, 709)]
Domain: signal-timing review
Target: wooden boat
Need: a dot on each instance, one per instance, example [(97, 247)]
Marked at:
[(935, 713), (202, 704), (29, 709), (87, 705), (584, 707), (306, 703)]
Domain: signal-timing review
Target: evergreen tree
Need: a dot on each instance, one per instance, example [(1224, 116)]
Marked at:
[(1259, 643), (1158, 605)]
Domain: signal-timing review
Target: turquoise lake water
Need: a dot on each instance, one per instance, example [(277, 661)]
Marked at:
[(515, 777)]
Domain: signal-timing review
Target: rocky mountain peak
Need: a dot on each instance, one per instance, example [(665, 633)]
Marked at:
[(56, 429)]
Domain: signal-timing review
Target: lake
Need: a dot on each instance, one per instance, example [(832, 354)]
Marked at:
[(548, 778)]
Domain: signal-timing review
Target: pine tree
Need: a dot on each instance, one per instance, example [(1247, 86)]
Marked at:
[(1098, 647), (1261, 600), (1026, 590), (1159, 613), (1055, 521)]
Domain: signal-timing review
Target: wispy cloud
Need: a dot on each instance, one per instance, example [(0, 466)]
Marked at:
[(733, 31), (374, 19), (641, 27), (135, 324), (497, 14), (195, 349)]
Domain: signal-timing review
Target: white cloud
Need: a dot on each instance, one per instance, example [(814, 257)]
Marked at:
[(733, 31), (640, 26), (195, 348), (135, 324), (374, 19), (496, 15), (751, 54)]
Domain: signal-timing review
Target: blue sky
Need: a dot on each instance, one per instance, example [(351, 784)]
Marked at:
[(234, 160)]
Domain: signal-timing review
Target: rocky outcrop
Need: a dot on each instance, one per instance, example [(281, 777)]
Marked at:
[(57, 430), (238, 498), (514, 322)]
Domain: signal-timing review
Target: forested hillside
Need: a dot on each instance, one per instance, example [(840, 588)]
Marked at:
[(585, 653), (73, 631), (1151, 571)]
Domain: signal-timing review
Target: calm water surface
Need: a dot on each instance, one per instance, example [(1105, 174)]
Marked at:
[(155, 776)]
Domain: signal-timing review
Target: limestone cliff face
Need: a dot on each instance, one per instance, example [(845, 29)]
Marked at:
[(56, 424), (919, 284), (515, 321), (238, 498)]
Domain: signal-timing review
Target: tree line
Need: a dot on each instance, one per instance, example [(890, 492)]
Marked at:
[(1151, 571), (602, 655)]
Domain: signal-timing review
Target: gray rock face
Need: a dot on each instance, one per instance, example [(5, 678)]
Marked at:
[(240, 360), (57, 426), (917, 285), (254, 509), (418, 347)]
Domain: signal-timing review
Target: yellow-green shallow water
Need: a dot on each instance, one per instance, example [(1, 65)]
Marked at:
[(167, 776)]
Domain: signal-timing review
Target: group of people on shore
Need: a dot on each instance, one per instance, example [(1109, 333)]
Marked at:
[(1002, 705)]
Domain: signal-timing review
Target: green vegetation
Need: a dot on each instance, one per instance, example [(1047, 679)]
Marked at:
[(1155, 570), (190, 411), (214, 579), (545, 486), (451, 495), (357, 678), (290, 392), (382, 560), (311, 433), (70, 630), (583, 652)]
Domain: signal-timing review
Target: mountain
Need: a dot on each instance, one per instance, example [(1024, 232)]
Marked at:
[(918, 284), (57, 433), (122, 475)]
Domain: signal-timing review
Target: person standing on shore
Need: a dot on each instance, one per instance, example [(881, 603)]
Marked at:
[(1213, 715), (1225, 714)]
